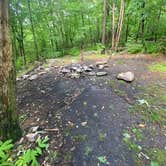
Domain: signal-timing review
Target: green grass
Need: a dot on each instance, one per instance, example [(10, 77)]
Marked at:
[(158, 67)]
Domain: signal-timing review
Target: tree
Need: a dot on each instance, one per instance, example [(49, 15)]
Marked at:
[(104, 23), (9, 125), (113, 25), (120, 23)]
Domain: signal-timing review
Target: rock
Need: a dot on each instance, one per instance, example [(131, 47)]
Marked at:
[(100, 67), (101, 63), (128, 76), (87, 69), (65, 71), (91, 66), (34, 129), (41, 73), (18, 79), (75, 75), (102, 73), (33, 77), (91, 73), (84, 124), (79, 70), (25, 76), (32, 137), (74, 68)]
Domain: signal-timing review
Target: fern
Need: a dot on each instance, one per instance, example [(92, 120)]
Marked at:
[(28, 158), (5, 148)]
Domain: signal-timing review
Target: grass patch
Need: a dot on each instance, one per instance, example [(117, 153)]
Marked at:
[(157, 155), (158, 67), (27, 68), (150, 104)]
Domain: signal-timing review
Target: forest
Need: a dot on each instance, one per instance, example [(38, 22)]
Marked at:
[(54, 28), (82, 82)]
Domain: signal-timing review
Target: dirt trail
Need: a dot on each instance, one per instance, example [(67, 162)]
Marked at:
[(91, 113)]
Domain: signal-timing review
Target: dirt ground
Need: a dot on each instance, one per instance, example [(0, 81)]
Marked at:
[(97, 121)]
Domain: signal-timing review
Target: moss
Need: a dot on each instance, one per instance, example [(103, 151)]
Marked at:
[(158, 67)]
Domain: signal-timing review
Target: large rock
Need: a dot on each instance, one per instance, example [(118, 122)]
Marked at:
[(128, 76)]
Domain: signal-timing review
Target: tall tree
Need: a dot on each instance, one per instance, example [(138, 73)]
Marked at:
[(120, 23), (113, 25), (104, 23), (9, 125), (33, 29)]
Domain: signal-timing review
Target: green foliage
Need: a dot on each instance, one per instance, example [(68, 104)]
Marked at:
[(134, 48), (102, 159), (79, 23), (29, 157), (162, 47), (157, 156), (154, 164), (152, 47), (5, 148), (160, 67), (73, 51), (130, 143)]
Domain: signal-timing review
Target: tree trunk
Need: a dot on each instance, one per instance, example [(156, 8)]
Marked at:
[(158, 23), (33, 30), (104, 23), (120, 23), (143, 26), (127, 29), (9, 125), (113, 25)]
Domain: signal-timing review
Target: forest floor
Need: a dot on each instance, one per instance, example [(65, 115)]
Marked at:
[(97, 121)]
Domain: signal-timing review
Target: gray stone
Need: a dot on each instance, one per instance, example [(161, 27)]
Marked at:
[(25, 76), (34, 129), (33, 77), (65, 71), (87, 69), (127, 76), (32, 137), (91, 73), (101, 63), (102, 73), (75, 75)]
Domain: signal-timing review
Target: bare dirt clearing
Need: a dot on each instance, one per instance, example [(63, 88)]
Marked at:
[(98, 120)]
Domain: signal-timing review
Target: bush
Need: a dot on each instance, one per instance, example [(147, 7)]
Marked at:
[(162, 47), (73, 51), (134, 48), (152, 47)]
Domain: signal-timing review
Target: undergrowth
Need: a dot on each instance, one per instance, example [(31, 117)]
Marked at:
[(28, 157)]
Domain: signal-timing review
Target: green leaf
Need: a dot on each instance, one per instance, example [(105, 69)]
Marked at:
[(102, 159), (154, 163)]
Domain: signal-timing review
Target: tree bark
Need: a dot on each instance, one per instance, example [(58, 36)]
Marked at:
[(143, 26), (33, 30), (9, 125), (104, 22), (120, 23), (113, 25)]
